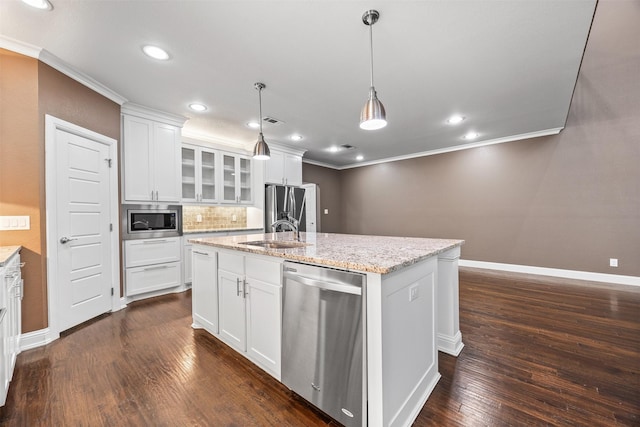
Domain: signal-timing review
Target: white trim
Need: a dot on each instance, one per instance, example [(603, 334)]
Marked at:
[(449, 345), (201, 140), (36, 339), (53, 61), (149, 113), (555, 272), (17, 46), (546, 132), (288, 149), (51, 125), (68, 70)]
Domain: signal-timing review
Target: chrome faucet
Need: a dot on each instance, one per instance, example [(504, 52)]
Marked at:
[(291, 223)]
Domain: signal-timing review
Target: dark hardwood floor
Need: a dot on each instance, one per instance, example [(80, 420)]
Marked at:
[(538, 351)]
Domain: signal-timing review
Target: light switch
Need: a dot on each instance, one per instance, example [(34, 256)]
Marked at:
[(326, 211), (15, 222)]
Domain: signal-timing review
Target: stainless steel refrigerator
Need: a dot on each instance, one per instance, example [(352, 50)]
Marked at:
[(284, 202)]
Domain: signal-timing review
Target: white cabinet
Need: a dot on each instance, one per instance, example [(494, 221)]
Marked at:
[(151, 155), (284, 168), (152, 265), (10, 320), (204, 294), (237, 182), (199, 177), (250, 307)]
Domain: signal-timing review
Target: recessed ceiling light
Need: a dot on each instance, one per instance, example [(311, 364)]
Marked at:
[(333, 149), (253, 125), (155, 52), (198, 107), (359, 157), (296, 137), (471, 135), (455, 119), (39, 4)]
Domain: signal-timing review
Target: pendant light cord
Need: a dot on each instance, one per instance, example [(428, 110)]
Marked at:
[(371, 48), (260, 104)]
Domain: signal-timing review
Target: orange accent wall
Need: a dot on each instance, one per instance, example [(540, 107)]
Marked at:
[(30, 90)]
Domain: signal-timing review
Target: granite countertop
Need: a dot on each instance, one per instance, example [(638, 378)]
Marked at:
[(219, 230), (6, 252), (373, 254)]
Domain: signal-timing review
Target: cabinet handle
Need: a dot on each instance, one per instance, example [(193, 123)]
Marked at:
[(238, 287), (12, 275), (159, 267), (200, 253), (245, 288), (156, 195), (153, 242)]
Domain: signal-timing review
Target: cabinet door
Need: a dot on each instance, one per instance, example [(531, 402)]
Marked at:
[(229, 191), (140, 280), (204, 294), (292, 169), (245, 184), (189, 191), (138, 175), (232, 310), (207, 163), (264, 324), (166, 146), (275, 168)]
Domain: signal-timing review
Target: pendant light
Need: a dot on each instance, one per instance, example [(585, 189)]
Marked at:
[(373, 115), (261, 149)]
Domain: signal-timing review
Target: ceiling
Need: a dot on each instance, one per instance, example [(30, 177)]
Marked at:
[(509, 67)]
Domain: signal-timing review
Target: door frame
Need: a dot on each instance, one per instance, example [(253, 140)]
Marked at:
[(52, 124)]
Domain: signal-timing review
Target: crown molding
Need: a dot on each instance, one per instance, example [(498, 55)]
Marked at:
[(58, 64), (66, 69), (537, 134), (287, 148), (195, 138), (149, 113), (17, 46)]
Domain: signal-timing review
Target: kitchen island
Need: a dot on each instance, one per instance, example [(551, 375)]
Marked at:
[(410, 306)]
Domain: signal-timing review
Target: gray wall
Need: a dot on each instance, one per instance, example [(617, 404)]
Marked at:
[(569, 201)]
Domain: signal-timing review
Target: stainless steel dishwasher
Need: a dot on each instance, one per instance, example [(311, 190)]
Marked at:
[(322, 339)]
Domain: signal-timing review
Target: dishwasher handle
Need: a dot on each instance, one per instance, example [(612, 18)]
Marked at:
[(324, 284)]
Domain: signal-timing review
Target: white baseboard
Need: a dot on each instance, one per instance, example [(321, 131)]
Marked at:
[(555, 272), (450, 345), (36, 339)]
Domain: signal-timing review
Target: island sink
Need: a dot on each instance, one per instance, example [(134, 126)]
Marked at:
[(275, 244)]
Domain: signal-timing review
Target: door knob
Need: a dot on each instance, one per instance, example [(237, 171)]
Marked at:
[(65, 239)]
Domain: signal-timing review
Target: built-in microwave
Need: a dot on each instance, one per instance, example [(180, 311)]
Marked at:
[(150, 221)]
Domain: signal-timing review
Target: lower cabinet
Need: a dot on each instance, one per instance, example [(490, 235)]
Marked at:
[(11, 286), (204, 291), (249, 303), (152, 265)]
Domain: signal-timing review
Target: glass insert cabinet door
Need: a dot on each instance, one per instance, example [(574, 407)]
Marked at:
[(236, 179), (208, 176), (245, 180), (188, 173), (229, 178)]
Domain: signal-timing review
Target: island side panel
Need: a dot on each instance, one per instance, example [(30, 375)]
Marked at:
[(402, 347), (448, 308)]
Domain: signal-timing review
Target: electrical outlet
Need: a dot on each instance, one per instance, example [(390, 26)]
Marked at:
[(326, 211), (233, 218), (413, 293), (613, 262), (198, 218)]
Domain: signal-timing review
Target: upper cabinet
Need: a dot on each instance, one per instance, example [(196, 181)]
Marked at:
[(151, 155), (284, 167), (237, 182), (199, 174)]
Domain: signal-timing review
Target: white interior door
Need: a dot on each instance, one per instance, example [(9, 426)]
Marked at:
[(84, 265)]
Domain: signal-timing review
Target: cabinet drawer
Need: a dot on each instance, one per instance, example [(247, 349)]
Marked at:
[(259, 268), (231, 262), (152, 278), (151, 251)]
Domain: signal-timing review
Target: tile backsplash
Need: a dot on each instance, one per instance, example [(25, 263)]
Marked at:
[(213, 217)]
